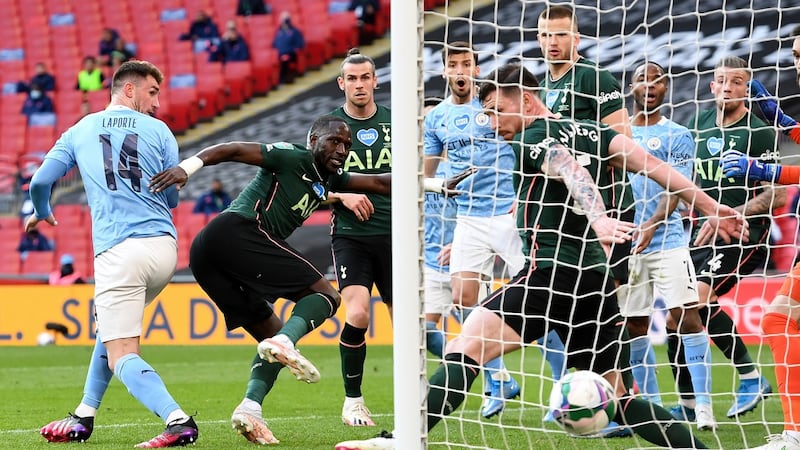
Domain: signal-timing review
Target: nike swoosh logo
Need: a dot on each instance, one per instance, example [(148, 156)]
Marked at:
[(353, 376), (305, 178)]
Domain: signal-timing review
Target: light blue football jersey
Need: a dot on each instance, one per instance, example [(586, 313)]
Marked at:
[(462, 135), (117, 151), (673, 144), (440, 222)]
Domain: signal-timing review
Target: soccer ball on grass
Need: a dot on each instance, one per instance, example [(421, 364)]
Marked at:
[(583, 403)]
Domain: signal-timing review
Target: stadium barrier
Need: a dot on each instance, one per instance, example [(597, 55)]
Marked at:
[(183, 315)]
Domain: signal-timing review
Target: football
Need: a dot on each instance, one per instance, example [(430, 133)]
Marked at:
[(583, 403), (45, 338)]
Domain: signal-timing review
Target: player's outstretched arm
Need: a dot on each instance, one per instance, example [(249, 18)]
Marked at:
[(629, 156), (772, 112), (377, 183), (560, 164), (245, 152), (41, 187), (447, 186)]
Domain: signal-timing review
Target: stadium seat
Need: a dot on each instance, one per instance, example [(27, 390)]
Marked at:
[(31, 8), (8, 178), (184, 209), (40, 139), (344, 31), (98, 100), (317, 34), (238, 77), (12, 103), (10, 264), (179, 108), (210, 90), (12, 140), (39, 263), (193, 6), (148, 50), (266, 73)]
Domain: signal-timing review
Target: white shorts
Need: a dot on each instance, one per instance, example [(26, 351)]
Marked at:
[(478, 240), (668, 274), (127, 277), (438, 294)]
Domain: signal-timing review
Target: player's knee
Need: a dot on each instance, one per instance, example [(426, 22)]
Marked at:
[(334, 299), (637, 326), (688, 320)]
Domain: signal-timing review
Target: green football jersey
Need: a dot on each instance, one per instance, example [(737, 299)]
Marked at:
[(286, 190), (371, 153), (751, 136), (587, 92), (558, 227)]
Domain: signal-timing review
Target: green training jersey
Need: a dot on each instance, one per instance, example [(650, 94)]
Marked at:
[(557, 225), (371, 153), (286, 190), (587, 92), (749, 135)]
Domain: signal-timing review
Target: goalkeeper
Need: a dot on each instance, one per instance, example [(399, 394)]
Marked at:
[(780, 323)]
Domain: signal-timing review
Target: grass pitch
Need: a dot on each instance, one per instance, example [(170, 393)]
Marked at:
[(40, 384)]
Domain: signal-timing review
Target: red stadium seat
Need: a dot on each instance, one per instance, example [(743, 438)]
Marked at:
[(40, 138), (98, 100), (32, 8), (266, 72), (12, 140), (238, 77), (210, 90), (10, 264), (39, 263), (344, 33), (8, 178), (179, 108)]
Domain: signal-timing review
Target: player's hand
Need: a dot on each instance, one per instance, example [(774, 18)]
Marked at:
[(644, 235), (769, 106), (443, 258), (449, 188), (32, 221), (737, 164), (166, 178), (727, 225), (612, 231), (359, 204)]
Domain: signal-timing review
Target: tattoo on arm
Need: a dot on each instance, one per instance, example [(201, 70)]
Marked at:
[(770, 198), (560, 163)]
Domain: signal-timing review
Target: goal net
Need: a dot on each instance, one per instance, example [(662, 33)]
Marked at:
[(687, 39)]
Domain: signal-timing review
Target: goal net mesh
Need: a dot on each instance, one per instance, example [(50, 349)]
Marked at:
[(687, 39)]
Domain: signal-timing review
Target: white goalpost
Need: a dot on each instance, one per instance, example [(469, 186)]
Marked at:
[(687, 39), (410, 382)]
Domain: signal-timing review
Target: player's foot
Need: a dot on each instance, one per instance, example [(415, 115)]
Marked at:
[(784, 441), (356, 414), (281, 349), (615, 430), (548, 418), (69, 429), (683, 413), (705, 418), (177, 433), (501, 391), (252, 426), (383, 441), (749, 395)]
